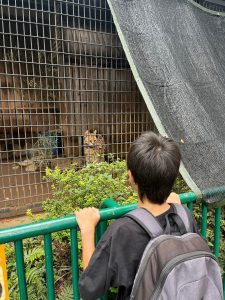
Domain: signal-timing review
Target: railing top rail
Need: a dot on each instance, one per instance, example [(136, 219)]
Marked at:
[(55, 225)]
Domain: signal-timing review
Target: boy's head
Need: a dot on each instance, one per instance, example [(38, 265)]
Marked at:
[(153, 162)]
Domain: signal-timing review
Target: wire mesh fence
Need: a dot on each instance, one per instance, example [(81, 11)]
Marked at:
[(67, 94)]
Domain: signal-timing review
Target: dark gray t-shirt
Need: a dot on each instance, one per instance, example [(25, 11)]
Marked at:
[(117, 257)]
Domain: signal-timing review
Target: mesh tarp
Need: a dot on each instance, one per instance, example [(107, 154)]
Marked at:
[(177, 54)]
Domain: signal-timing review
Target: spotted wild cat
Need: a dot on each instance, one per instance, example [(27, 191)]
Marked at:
[(94, 147)]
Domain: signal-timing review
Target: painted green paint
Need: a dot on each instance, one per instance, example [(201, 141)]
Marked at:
[(49, 266), (20, 268), (74, 262)]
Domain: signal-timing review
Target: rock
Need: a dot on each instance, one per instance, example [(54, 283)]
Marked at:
[(31, 168), (25, 163), (15, 167)]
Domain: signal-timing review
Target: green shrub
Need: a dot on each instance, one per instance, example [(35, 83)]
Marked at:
[(73, 189)]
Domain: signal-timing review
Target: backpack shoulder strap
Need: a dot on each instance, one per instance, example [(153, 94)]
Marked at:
[(184, 216), (147, 221)]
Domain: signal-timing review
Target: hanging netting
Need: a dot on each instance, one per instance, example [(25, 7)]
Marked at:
[(176, 49)]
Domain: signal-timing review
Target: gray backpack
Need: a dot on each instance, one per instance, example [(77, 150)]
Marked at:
[(175, 267)]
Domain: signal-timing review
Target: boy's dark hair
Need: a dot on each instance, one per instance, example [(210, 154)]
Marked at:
[(154, 162)]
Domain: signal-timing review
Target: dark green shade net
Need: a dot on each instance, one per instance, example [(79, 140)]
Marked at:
[(178, 51)]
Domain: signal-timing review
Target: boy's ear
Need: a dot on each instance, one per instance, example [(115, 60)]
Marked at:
[(131, 179)]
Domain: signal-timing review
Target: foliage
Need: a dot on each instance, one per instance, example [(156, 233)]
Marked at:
[(43, 149), (34, 264), (74, 188), (180, 186), (35, 270), (66, 293)]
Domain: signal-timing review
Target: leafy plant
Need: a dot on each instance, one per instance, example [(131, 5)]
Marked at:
[(43, 149), (66, 293), (74, 188), (35, 271)]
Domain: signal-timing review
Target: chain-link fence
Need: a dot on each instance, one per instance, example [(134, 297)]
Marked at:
[(67, 94)]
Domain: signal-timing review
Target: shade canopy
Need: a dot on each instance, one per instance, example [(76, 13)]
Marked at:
[(176, 50)]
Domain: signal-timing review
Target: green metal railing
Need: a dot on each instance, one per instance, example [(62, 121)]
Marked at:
[(109, 210)]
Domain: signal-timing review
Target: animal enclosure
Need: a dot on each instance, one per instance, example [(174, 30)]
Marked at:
[(67, 95)]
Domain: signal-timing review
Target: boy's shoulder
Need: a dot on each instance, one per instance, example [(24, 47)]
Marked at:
[(124, 225), (128, 225), (121, 235), (124, 228)]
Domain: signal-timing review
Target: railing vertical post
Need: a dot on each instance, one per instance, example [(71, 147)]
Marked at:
[(101, 228), (204, 220), (217, 231), (49, 266), (74, 263), (190, 206), (224, 287), (21, 270)]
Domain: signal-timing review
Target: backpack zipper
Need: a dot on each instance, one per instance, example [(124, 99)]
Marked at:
[(152, 244), (172, 264)]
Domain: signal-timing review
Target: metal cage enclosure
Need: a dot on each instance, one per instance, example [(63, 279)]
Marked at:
[(67, 94)]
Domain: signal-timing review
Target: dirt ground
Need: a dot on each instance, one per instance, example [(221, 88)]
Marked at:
[(20, 190), (10, 222)]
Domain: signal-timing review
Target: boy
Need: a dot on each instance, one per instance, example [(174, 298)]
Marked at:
[(153, 164)]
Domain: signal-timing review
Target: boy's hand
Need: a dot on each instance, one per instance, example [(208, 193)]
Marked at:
[(87, 219), (173, 198)]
